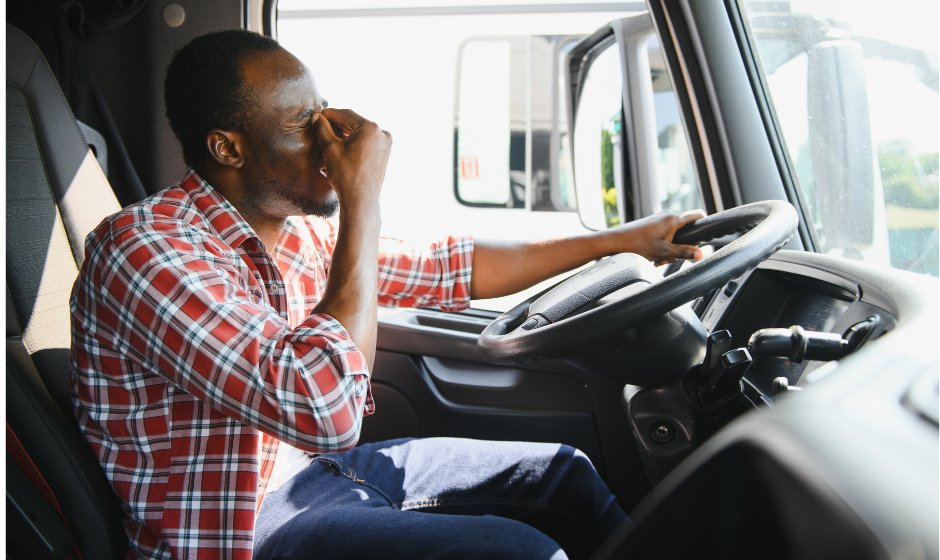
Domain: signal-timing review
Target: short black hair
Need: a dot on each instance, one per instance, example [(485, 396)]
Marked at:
[(204, 88)]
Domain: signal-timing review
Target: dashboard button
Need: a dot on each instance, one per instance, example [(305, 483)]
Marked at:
[(662, 431), (730, 288)]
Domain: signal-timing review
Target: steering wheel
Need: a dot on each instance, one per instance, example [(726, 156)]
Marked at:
[(624, 291)]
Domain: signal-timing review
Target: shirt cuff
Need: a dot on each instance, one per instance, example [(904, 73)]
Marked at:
[(346, 357), (456, 253)]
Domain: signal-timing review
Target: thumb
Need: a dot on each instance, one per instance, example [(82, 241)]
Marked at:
[(690, 252), (324, 131)]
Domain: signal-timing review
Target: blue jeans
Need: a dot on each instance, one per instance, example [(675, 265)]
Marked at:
[(440, 498)]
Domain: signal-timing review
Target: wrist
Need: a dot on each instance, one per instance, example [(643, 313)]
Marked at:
[(360, 207), (605, 243)]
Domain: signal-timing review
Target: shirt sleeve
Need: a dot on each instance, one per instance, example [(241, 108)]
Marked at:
[(437, 275), (178, 306), (410, 276)]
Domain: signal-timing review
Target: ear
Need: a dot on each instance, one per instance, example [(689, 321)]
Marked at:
[(227, 148)]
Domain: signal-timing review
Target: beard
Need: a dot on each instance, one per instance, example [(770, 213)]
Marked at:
[(282, 198)]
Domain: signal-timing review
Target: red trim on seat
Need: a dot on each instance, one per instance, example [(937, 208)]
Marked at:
[(15, 448)]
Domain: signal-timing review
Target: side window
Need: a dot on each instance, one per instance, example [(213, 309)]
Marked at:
[(490, 123)]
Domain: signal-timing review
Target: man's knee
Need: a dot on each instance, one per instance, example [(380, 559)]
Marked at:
[(510, 540), (576, 465)]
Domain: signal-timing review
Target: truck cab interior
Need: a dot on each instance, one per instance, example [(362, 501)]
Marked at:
[(778, 399)]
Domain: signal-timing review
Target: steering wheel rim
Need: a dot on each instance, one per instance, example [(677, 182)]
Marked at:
[(768, 226)]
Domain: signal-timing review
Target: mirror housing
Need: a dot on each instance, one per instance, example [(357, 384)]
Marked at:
[(840, 144), (635, 161)]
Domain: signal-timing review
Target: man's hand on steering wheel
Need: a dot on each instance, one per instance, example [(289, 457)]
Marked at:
[(568, 318), (505, 267), (651, 237)]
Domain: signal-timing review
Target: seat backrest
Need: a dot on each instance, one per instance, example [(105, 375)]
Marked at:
[(56, 194)]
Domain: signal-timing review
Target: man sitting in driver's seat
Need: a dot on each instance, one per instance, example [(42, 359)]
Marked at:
[(224, 333)]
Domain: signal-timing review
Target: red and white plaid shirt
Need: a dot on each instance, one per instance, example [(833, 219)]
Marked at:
[(193, 353)]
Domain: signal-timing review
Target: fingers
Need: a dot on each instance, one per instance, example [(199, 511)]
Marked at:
[(689, 252), (355, 154), (323, 129), (346, 117), (339, 130), (652, 236), (674, 251), (666, 250), (690, 216)]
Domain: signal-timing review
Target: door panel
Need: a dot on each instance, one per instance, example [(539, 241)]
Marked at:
[(430, 381), (484, 385), (439, 416)]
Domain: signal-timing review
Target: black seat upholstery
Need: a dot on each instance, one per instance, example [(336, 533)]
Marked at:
[(56, 194)]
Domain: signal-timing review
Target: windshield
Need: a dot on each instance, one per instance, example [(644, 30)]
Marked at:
[(853, 86)]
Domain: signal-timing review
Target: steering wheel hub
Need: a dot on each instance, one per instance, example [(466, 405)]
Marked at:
[(586, 288)]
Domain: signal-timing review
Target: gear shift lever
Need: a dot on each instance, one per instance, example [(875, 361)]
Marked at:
[(725, 380), (719, 376), (717, 344)]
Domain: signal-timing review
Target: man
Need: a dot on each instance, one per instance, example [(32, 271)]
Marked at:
[(225, 314)]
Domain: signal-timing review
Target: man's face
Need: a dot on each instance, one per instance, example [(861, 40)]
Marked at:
[(283, 159)]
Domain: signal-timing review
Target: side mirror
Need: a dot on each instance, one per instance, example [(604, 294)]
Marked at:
[(610, 111), (840, 146)]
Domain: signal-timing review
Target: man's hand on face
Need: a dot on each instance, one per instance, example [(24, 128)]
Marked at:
[(354, 165), (651, 237)]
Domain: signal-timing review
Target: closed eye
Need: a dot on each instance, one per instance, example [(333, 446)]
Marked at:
[(303, 119)]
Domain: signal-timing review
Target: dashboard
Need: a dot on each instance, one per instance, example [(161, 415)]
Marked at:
[(779, 294), (846, 468)]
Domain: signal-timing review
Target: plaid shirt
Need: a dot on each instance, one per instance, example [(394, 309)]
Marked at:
[(193, 353)]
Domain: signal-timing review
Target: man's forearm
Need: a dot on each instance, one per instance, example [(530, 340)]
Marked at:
[(355, 166), (351, 290), (505, 267)]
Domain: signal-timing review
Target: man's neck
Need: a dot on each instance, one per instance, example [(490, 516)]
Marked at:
[(267, 230), (226, 183)]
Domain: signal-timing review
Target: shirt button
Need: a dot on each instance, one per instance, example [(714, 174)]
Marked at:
[(273, 288)]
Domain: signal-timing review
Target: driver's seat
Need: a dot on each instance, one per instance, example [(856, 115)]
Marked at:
[(56, 194)]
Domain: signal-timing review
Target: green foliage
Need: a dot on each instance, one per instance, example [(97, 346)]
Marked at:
[(930, 163), (909, 180), (607, 179), (607, 161)]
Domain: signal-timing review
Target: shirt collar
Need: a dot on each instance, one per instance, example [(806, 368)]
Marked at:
[(293, 249), (219, 212)]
